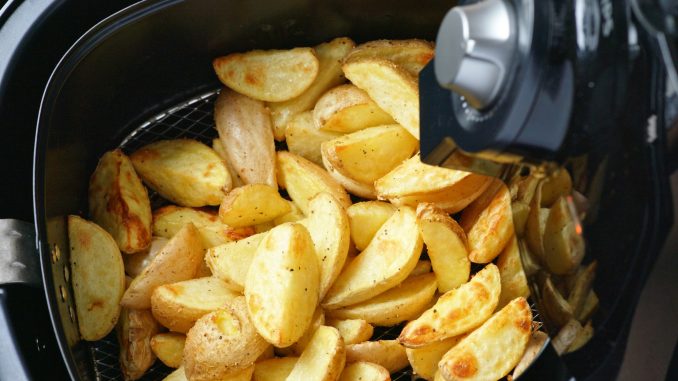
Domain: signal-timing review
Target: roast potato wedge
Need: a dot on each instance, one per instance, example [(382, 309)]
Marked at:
[(347, 108), (581, 289), (364, 371), (554, 305), (411, 55), (492, 350), (328, 225), (422, 267), (135, 264), (355, 187), (534, 348), (218, 147), (180, 259), (513, 279), (183, 171), (244, 127), (520, 212), (118, 202), (178, 306), (177, 375), (283, 284), (98, 277), (303, 180), (563, 243), (135, 329), (252, 204), (297, 348), (387, 353), (590, 306), (566, 336), (387, 261), (456, 312), (230, 262), (304, 139), (168, 220), (446, 245), (330, 54), (323, 359), (269, 75), (536, 224), (582, 338), (414, 182), (169, 348), (366, 218), (221, 343), (369, 154), (275, 369), (404, 302), (294, 215), (488, 223), (424, 360), (353, 331), (557, 184), (395, 90)]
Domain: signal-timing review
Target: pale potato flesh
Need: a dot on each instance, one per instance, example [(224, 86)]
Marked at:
[(330, 54), (177, 375), (275, 369), (303, 180), (387, 353), (269, 75), (294, 215), (395, 90), (118, 202), (347, 108), (492, 350), (323, 359), (304, 139), (218, 147), (98, 277), (353, 331), (169, 348), (283, 283), (366, 218), (252, 204), (387, 261), (135, 264), (297, 348), (513, 279), (364, 371), (230, 262), (422, 267), (534, 348), (446, 245), (244, 127), (354, 187), (412, 55), (183, 171), (404, 302), (424, 360), (456, 312)]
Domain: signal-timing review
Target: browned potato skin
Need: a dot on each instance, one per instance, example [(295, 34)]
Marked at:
[(412, 55), (135, 330), (118, 202), (555, 306)]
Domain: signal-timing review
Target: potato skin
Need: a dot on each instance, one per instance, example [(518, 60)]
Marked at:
[(118, 202), (135, 330)]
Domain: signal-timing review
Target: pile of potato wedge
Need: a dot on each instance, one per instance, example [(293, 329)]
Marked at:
[(273, 264)]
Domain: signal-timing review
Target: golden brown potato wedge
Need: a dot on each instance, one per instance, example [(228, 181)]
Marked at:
[(183, 171), (414, 182), (582, 338), (230, 262), (590, 306), (492, 350), (297, 348), (534, 348), (364, 371), (355, 187), (330, 54), (520, 212), (218, 147), (169, 347), (424, 360), (395, 90), (457, 311), (180, 259), (135, 264), (168, 220), (404, 302), (372, 272), (387, 353), (282, 285), (528, 260), (446, 245), (412, 55), (135, 329), (488, 223), (558, 184), (366, 218), (252, 204), (275, 369), (244, 127), (566, 336), (177, 306), (347, 108), (536, 224), (177, 375), (323, 359), (294, 215), (563, 243), (118, 202), (422, 267), (554, 305), (328, 225), (582, 288), (98, 277), (304, 138), (513, 279), (303, 180), (222, 342), (269, 75), (367, 155), (353, 331)]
